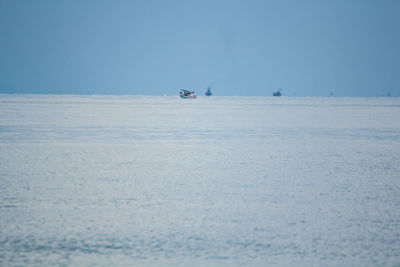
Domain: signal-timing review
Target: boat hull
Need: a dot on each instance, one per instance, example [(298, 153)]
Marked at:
[(191, 96)]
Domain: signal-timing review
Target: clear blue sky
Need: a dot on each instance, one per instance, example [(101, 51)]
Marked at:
[(249, 47)]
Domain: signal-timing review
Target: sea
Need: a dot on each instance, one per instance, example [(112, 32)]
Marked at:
[(107, 180)]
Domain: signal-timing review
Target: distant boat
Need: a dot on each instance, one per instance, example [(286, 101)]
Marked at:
[(208, 93), (277, 93), (187, 94)]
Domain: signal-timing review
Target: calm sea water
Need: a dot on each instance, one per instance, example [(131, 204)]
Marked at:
[(220, 181)]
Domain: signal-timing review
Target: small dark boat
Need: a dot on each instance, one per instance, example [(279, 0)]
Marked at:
[(187, 94), (277, 93), (208, 93)]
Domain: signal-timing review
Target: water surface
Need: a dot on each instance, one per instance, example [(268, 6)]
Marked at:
[(219, 181)]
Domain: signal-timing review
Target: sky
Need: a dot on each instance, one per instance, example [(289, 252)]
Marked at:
[(238, 47)]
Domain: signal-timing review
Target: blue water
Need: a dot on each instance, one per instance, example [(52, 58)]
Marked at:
[(219, 181)]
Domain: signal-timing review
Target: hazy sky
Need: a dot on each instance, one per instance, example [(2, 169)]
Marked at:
[(249, 47)]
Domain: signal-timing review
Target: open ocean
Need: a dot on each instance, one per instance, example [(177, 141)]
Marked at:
[(219, 181)]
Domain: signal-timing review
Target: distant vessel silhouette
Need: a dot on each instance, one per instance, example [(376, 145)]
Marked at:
[(208, 93), (187, 94), (277, 93)]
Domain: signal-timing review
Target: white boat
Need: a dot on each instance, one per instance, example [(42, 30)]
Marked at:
[(187, 94)]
